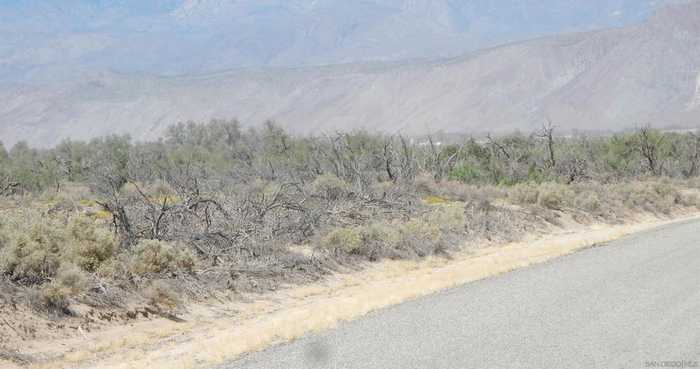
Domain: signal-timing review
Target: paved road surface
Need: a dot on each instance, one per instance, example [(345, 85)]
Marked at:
[(626, 305)]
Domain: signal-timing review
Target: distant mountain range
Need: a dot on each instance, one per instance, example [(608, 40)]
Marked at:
[(599, 80), (48, 40)]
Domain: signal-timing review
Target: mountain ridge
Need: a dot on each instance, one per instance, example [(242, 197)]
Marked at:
[(604, 80), (44, 40)]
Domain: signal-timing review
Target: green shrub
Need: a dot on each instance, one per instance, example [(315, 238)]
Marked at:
[(36, 246), (419, 229), (153, 256), (465, 173), (92, 246), (342, 239), (32, 253), (50, 297), (330, 187)]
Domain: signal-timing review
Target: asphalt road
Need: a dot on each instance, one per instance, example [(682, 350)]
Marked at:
[(633, 303)]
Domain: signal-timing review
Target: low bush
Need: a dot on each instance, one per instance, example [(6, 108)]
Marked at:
[(35, 246), (154, 256), (554, 196), (329, 187), (162, 296), (342, 240), (650, 196), (54, 297), (588, 202), (415, 237), (523, 194), (34, 250), (91, 245), (549, 195)]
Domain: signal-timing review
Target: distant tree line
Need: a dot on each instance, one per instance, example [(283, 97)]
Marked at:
[(224, 152)]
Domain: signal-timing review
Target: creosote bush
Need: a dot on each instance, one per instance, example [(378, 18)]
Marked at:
[(330, 187), (36, 246), (154, 256), (346, 240), (162, 296), (92, 245), (55, 296), (34, 250), (416, 237), (554, 196)]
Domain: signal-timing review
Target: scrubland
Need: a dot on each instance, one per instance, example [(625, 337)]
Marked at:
[(110, 231)]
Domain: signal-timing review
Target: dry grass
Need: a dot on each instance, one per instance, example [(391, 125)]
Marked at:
[(207, 338), (72, 260)]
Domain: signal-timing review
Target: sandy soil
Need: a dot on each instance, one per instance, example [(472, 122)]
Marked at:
[(225, 328)]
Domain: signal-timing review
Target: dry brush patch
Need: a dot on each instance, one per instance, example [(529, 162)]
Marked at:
[(118, 231)]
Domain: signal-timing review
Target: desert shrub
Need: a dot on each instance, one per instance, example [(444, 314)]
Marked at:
[(650, 196), (33, 252), (588, 201), (548, 195), (523, 194), (455, 190), (419, 236), (420, 229), (36, 246), (72, 278), (91, 245), (689, 199), (342, 239), (154, 256), (330, 187), (484, 220), (448, 217), (162, 296), (378, 240), (554, 195), (51, 297), (465, 173), (425, 184), (55, 296), (380, 233)]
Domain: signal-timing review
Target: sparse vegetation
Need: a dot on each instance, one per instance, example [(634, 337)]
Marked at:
[(214, 207)]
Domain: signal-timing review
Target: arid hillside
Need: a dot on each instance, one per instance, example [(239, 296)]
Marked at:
[(604, 80)]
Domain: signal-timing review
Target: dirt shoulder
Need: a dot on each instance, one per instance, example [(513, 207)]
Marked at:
[(229, 326)]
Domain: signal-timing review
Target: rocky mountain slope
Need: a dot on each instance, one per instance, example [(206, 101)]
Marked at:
[(602, 80), (47, 40)]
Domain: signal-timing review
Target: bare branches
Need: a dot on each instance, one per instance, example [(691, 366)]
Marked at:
[(650, 145), (547, 132), (8, 186), (694, 157)]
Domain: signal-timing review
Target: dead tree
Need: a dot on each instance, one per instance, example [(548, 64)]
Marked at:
[(694, 158), (389, 159), (650, 147), (547, 132)]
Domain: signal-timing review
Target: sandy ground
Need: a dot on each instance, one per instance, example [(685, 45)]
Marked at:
[(223, 330)]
